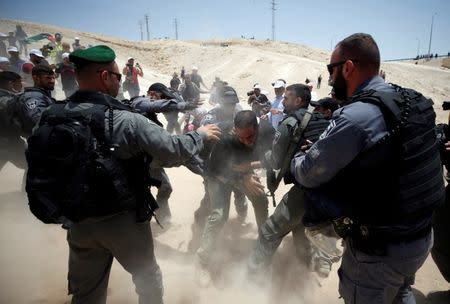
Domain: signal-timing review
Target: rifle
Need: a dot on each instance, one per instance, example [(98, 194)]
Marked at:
[(274, 178)]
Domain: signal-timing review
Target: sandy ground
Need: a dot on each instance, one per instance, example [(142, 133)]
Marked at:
[(33, 256)]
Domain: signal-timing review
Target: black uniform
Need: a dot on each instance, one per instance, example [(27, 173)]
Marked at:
[(34, 101)]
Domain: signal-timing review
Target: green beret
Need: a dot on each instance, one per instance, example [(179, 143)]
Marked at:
[(95, 54)]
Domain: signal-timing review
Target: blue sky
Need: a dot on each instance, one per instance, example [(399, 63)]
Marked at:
[(397, 26)]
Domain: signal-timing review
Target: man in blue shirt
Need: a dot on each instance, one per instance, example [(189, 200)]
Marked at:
[(276, 111), (379, 161)]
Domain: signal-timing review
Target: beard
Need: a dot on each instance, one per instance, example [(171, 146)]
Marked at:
[(340, 86)]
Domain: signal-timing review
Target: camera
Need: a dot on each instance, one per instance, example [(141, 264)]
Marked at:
[(250, 93), (446, 105)]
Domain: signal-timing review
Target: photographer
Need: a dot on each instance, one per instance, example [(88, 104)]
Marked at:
[(131, 72), (259, 102)]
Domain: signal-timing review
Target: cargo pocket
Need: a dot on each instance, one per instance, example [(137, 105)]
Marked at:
[(353, 293)]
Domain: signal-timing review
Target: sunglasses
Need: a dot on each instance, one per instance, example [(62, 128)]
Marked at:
[(331, 66), (118, 76)]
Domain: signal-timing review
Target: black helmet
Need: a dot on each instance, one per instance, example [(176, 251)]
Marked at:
[(228, 95)]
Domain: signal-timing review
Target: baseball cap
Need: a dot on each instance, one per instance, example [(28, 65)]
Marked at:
[(65, 55), (130, 58), (195, 68), (279, 83), (3, 59), (257, 86), (327, 103), (13, 49), (77, 38), (36, 53)]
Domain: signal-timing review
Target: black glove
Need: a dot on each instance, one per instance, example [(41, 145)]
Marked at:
[(271, 180)]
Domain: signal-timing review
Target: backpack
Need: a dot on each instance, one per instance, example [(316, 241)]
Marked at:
[(10, 125), (73, 174)]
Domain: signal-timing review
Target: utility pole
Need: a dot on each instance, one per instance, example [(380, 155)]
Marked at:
[(418, 47), (140, 30), (431, 34), (176, 29), (273, 19), (146, 25)]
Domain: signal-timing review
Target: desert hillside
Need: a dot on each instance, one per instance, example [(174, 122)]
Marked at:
[(33, 256)]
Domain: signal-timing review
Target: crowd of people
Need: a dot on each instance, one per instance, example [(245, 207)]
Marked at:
[(91, 159)]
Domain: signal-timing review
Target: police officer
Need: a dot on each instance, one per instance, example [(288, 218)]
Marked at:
[(379, 161), (97, 240), (13, 146), (441, 224), (160, 91), (36, 99), (248, 142), (161, 99), (288, 214)]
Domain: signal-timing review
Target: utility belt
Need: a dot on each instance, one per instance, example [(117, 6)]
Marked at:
[(372, 240)]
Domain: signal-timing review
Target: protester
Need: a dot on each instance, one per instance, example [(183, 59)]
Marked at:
[(275, 114), (258, 101), (76, 45), (248, 142), (21, 37), (15, 60), (196, 78), (4, 64), (66, 70), (132, 74)]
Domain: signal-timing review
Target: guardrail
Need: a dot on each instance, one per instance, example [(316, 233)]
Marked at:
[(405, 59)]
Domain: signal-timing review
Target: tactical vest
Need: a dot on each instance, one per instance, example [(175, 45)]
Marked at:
[(316, 126), (73, 172), (392, 188), (10, 126)]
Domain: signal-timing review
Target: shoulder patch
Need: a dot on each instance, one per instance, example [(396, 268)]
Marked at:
[(314, 152), (31, 104), (328, 129)]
